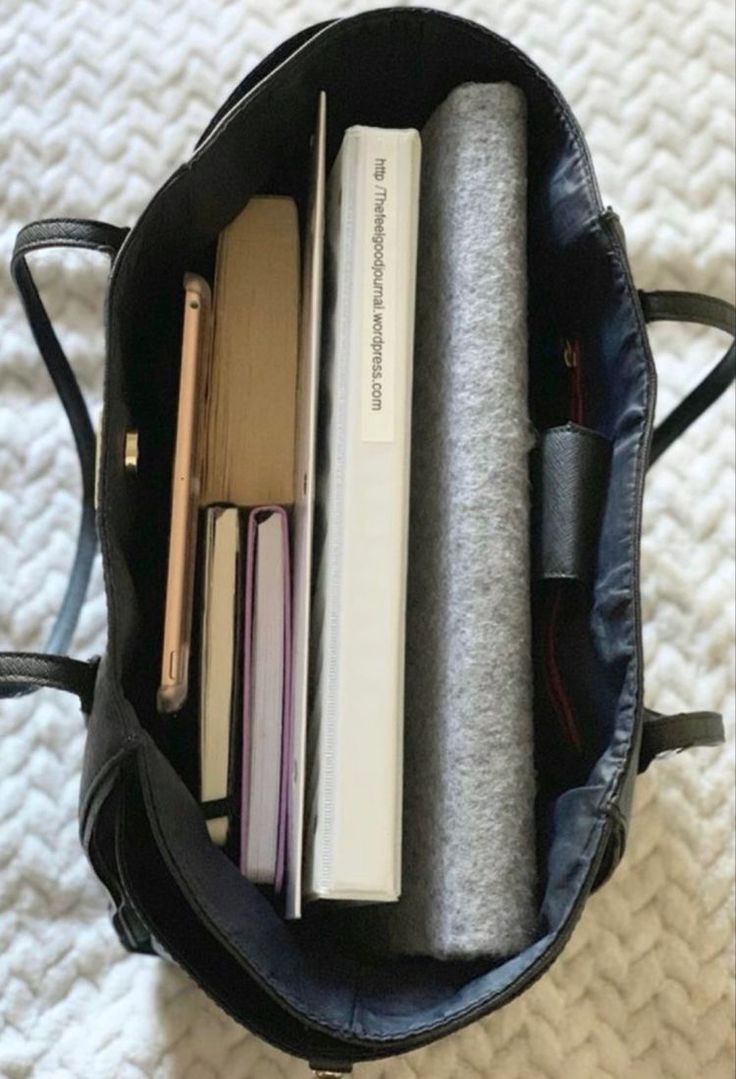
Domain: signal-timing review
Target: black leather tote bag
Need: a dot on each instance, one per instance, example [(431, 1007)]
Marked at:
[(173, 892)]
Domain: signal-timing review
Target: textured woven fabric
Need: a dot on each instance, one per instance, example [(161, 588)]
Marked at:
[(469, 856), (100, 100)]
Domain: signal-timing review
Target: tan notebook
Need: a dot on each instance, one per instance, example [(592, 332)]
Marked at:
[(251, 391)]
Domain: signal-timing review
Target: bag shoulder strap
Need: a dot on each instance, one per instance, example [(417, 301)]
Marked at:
[(22, 672), (676, 306), (671, 734)]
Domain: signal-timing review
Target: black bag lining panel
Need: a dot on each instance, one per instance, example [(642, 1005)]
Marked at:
[(578, 287), (315, 968)]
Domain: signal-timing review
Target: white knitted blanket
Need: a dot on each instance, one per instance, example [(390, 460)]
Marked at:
[(100, 100)]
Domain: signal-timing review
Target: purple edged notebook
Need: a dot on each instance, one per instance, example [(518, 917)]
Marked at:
[(267, 709)]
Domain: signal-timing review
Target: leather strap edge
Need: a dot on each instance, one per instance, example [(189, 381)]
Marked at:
[(24, 672), (31, 671), (672, 734)]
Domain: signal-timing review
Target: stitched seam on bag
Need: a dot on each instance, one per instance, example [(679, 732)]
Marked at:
[(632, 692), (40, 245), (81, 221), (128, 746), (636, 494)]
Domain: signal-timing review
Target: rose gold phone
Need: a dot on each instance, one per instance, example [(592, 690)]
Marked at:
[(185, 485)]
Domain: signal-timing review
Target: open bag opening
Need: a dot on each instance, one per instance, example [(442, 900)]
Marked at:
[(580, 297)]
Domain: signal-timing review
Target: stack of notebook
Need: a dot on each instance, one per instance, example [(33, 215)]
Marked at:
[(286, 647), (292, 465)]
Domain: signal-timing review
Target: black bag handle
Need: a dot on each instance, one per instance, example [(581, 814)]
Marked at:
[(676, 306), (23, 672), (671, 734)]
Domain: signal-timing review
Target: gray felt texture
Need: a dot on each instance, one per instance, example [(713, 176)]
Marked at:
[(468, 837)]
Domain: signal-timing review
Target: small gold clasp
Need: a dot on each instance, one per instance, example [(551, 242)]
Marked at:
[(131, 451)]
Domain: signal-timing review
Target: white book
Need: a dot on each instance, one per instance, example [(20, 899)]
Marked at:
[(353, 842)]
